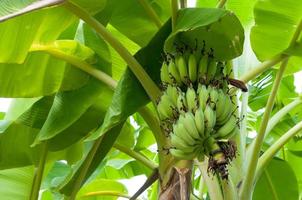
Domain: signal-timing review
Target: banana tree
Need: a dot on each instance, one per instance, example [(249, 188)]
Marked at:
[(201, 100)]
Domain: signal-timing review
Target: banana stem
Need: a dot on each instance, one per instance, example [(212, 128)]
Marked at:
[(34, 194), (183, 3), (248, 182), (174, 10), (221, 3), (212, 183), (272, 150), (256, 71), (243, 129), (147, 83), (76, 62), (136, 155), (278, 116), (151, 13)]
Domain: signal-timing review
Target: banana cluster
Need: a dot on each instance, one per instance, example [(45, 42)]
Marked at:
[(197, 112)]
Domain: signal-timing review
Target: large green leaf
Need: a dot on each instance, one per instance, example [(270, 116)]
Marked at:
[(219, 29), (15, 183), (39, 75), (276, 22), (278, 181), (101, 152), (18, 34), (129, 95), (244, 11), (130, 18), (102, 185)]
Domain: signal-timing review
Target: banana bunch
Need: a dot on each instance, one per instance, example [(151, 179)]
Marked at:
[(186, 69), (198, 109)]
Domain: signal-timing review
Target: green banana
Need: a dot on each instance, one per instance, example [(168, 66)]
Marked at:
[(220, 106), (203, 67), (203, 96), (191, 99), (199, 121), (210, 119), (173, 71), (172, 92), (189, 123), (213, 93), (179, 143), (182, 68), (182, 155), (212, 67), (226, 128), (231, 134), (180, 130), (164, 107), (192, 66), (182, 105), (164, 74), (228, 109)]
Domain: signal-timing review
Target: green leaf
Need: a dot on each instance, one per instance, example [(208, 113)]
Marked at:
[(92, 6), (130, 18), (102, 149), (102, 186), (278, 181), (261, 88), (244, 11), (219, 29), (276, 22), (18, 34), (14, 183), (129, 95), (296, 164), (126, 136)]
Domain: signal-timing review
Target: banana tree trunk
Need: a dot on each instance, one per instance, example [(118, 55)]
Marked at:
[(175, 183)]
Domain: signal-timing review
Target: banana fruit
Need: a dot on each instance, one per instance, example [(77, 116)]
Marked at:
[(196, 111)]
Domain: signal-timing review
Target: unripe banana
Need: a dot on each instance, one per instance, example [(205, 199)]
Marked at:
[(213, 97), (203, 96), (182, 68), (220, 106), (212, 67), (172, 92), (210, 119), (231, 134), (179, 143), (189, 123), (191, 99), (227, 127), (228, 109), (182, 105), (165, 107), (203, 67), (173, 71), (182, 155), (164, 74), (192, 65), (180, 130), (199, 121)]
